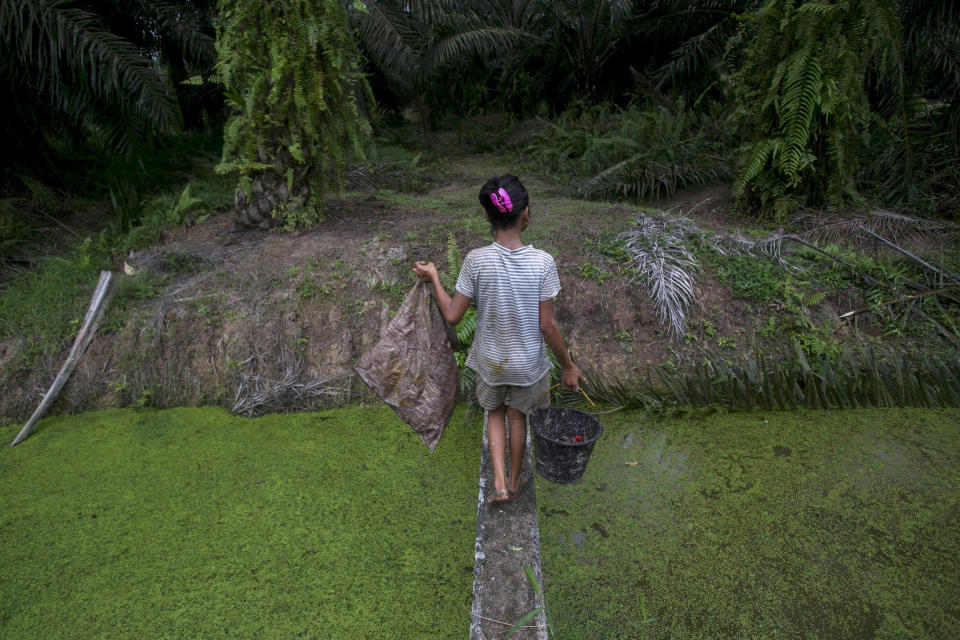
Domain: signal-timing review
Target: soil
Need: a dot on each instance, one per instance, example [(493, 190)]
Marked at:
[(277, 319)]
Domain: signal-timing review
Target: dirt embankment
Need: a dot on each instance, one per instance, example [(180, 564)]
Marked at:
[(277, 319), (253, 312)]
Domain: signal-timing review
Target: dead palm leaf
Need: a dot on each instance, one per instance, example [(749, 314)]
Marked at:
[(664, 264)]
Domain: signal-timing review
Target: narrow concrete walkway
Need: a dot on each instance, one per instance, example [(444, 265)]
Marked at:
[(507, 538)]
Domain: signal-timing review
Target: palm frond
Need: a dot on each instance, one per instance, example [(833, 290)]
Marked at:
[(693, 55), (80, 66), (664, 265), (183, 30), (390, 39), (478, 42), (826, 228)]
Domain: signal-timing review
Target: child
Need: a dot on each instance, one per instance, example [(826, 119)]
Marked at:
[(514, 286)]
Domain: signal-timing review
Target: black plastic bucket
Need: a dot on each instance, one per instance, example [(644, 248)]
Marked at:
[(560, 455)]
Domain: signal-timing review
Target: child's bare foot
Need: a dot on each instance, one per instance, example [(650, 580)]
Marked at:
[(522, 480), (499, 495)]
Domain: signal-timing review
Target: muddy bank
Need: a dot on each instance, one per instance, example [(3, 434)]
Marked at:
[(233, 314)]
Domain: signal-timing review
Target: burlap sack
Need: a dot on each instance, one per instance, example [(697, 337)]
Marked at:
[(412, 367)]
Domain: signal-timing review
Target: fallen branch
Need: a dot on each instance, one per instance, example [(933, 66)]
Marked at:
[(80, 344), (940, 273), (919, 295), (799, 240)]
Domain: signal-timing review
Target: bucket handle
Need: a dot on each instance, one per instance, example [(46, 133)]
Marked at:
[(545, 393)]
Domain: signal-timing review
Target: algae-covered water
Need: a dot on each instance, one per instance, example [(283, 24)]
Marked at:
[(842, 524), (191, 523)]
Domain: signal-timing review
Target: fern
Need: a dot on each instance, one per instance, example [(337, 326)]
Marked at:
[(183, 204), (448, 278), (801, 87), (292, 65), (815, 299), (467, 326), (799, 101)]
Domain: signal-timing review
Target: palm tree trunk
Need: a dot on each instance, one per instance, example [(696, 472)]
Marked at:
[(423, 112), (270, 197)]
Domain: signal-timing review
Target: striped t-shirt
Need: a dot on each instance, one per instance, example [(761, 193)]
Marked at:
[(507, 286)]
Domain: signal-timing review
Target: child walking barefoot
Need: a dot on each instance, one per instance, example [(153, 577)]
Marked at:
[(513, 285)]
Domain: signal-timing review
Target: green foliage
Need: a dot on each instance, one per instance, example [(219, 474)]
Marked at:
[(534, 58), (591, 271), (587, 40), (389, 166), (142, 188), (634, 153), (164, 211), (911, 159), (419, 46), (793, 294), (290, 71), (693, 36), (752, 278), (833, 380), (45, 307), (15, 232), (84, 70), (468, 324), (84, 73), (801, 95)]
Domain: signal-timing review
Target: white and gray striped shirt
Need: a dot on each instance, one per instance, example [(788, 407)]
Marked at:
[(507, 286)]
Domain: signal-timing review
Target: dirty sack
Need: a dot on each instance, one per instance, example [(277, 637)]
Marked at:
[(412, 368)]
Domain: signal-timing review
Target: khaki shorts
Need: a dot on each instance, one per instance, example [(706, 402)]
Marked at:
[(526, 400)]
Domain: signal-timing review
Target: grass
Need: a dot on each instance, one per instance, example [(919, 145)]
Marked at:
[(46, 307), (191, 523), (163, 188), (800, 524)]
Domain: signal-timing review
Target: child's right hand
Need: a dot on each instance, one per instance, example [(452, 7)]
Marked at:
[(571, 378), (426, 271)]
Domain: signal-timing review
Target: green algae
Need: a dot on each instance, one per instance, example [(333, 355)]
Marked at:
[(839, 524), (190, 523)]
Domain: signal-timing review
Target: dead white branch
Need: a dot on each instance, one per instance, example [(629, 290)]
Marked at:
[(83, 340)]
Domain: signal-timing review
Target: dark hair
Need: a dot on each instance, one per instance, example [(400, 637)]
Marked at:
[(518, 198)]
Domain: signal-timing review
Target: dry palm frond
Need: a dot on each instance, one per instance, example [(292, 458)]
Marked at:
[(820, 227), (257, 396), (664, 264), (737, 244), (361, 178), (662, 261)]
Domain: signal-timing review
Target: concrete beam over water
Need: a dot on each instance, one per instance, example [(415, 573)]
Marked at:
[(507, 538)]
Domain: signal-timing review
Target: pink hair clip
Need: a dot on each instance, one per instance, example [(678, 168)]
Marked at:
[(501, 200)]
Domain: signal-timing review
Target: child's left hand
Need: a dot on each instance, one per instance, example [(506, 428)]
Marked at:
[(426, 271)]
